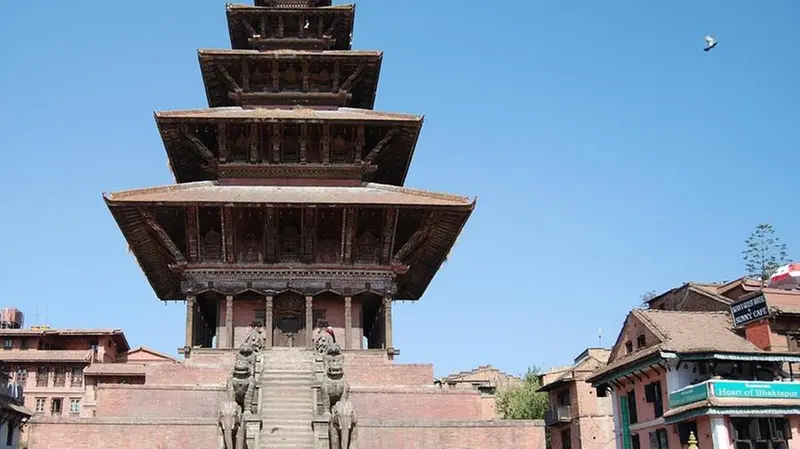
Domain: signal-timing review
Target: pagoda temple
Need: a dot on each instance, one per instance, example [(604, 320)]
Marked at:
[(290, 207), (288, 234)]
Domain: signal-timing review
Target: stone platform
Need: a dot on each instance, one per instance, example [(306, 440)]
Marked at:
[(398, 406)]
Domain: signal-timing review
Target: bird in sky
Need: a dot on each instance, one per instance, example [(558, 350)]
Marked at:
[(710, 43)]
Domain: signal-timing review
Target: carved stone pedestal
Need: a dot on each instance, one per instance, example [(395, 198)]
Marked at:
[(253, 426), (321, 437)]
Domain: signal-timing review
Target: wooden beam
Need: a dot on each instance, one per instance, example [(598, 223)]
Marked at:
[(228, 250), (381, 145), (222, 142), (231, 83), (331, 29), (270, 230), (192, 232), (245, 73), (162, 235), (387, 236), (349, 229), (249, 28), (303, 143), (326, 144), (419, 237), (254, 140), (308, 233), (275, 140), (351, 79), (262, 26), (336, 74), (306, 73), (205, 153), (358, 147)]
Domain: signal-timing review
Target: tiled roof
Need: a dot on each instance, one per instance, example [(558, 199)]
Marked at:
[(118, 335), (290, 53), (783, 301), (211, 192), (46, 356), (294, 113), (116, 369), (683, 332)]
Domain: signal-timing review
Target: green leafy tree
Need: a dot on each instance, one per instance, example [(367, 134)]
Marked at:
[(764, 253), (523, 401)]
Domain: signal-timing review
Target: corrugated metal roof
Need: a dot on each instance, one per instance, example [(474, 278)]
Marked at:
[(212, 192)]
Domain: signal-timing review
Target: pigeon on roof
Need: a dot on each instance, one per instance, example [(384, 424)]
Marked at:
[(710, 43)]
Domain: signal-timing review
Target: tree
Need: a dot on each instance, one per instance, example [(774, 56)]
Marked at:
[(523, 401), (647, 296), (764, 252)]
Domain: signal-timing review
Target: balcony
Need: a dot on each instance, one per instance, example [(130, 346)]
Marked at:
[(557, 415), (733, 391), (12, 391)]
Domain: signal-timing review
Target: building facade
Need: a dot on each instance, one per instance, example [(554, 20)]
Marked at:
[(672, 374), (578, 418), (13, 413), (485, 379)]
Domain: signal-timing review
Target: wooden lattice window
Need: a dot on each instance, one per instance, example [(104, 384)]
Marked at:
[(42, 376), (76, 376), (59, 376)]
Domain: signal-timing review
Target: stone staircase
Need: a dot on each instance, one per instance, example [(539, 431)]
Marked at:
[(287, 398)]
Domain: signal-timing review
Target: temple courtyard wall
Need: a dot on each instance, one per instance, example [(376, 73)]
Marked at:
[(398, 407)]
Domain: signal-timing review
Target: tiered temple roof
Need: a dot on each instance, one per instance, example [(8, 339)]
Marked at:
[(289, 180)]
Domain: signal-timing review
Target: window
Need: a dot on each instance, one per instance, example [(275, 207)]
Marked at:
[(8, 343), (632, 416), (686, 428), (55, 406), (563, 398), (22, 376), (566, 439), (641, 342), (757, 433), (39, 405), (635, 443), (60, 377), (652, 394), (74, 405), (658, 439), (77, 377), (42, 375), (23, 343), (628, 347)]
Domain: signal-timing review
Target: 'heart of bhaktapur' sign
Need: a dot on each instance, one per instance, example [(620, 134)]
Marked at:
[(734, 389), (749, 310)]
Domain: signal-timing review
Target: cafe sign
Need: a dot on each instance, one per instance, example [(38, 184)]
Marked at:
[(749, 310), (756, 390)]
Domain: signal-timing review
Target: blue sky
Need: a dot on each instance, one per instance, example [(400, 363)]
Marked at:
[(609, 153)]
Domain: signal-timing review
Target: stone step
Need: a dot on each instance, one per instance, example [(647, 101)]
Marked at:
[(281, 377), (306, 436), (287, 405)]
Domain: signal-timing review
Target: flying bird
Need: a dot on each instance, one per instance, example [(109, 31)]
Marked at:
[(710, 43)]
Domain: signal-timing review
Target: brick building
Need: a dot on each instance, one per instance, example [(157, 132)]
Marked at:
[(289, 213), (485, 379), (578, 418), (13, 413), (671, 374)]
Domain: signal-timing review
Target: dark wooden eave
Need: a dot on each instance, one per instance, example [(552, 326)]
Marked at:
[(258, 28), (321, 78), (385, 160), (422, 251), (292, 3)]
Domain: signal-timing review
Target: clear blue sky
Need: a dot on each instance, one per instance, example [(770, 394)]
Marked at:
[(610, 155)]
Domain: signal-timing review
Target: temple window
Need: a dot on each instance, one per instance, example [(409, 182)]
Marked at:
[(290, 145), (329, 236), (289, 225), (368, 242), (341, 144), (260, 77), (238, 142), (249, 236), (291, 77), (628, 347), (314, 144), (210, 235), (641, 341)]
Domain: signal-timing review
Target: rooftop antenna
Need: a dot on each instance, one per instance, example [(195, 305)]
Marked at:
[(599, 338), (36, 317), (45, 317)]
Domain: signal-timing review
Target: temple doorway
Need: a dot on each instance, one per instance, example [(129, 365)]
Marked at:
[(288, 323)]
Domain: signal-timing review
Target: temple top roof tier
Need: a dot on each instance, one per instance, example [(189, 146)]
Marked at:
[(292, 3), (264, 78), (291, 28), (290, 146)]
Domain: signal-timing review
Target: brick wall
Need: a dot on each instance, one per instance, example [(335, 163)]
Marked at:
[(417, 404), (97, 433), (176, 373), (389, 374), (151, 401), (451, 435), (759, 334)]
